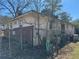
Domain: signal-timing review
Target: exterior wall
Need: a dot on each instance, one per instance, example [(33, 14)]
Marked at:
[(56, 26), (69, 29), (1, 33)]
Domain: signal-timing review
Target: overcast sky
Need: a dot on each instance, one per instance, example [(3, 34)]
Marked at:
[(72, 7)]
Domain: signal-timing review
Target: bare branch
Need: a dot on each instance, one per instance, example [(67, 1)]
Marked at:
[(10, 3), (24, 6), (7, 9)]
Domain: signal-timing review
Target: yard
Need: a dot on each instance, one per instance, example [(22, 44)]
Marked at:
[(70, 51), (75, 53)]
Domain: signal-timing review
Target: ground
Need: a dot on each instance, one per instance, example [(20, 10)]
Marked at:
[(75, 53), (70, 51)]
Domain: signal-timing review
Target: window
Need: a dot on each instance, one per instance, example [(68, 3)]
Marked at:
[(62, 27)]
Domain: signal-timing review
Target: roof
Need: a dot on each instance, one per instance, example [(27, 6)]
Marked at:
[(29, 12), (25, 14)]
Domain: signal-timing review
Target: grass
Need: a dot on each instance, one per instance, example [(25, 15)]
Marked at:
[(75, 52)]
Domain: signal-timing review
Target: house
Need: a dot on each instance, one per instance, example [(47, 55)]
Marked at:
[(25, 28)]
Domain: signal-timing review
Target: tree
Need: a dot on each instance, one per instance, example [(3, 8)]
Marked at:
[(64, 16), (53, 6), (15, 7), (38, 5), (76, 23)]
